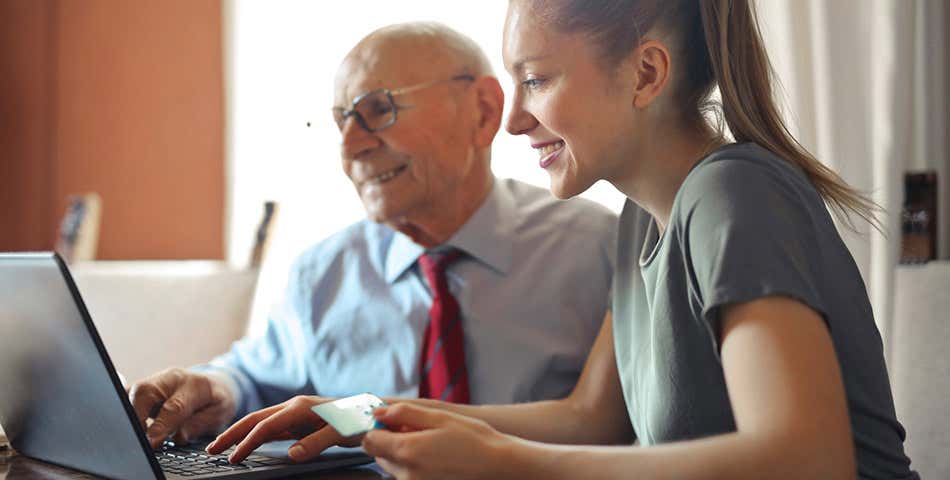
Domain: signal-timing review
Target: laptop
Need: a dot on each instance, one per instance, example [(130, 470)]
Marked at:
[(61, 400)]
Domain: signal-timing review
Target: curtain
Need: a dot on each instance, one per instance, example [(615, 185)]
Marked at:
[(866, 92), (863, 88)]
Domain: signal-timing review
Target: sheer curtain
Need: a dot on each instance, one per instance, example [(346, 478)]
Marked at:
[(865, 92)]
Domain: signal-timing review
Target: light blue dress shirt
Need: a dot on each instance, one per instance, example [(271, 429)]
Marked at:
[(533, 289)]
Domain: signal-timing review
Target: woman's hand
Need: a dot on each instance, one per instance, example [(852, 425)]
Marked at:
[(292, 419), (424, 443)]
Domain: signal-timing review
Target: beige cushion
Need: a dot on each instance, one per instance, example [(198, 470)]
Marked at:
[(155, 314), (920, 370)]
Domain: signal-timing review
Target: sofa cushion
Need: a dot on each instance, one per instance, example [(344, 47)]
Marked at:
[(920, 370), (156, 314)]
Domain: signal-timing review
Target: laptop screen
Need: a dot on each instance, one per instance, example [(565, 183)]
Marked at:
[(61, 400)]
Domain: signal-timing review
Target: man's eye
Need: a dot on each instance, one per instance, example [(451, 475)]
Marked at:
[(532, 83), (382, 109), (376, 109)]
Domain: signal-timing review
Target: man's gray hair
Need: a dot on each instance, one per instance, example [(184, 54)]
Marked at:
[(459, 46)]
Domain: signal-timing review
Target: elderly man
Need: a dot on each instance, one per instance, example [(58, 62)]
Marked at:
[(461, 287)]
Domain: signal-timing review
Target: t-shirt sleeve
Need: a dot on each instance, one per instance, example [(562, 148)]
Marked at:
[(747, 232)]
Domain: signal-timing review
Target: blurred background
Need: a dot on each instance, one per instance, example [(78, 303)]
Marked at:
[(155, 131)]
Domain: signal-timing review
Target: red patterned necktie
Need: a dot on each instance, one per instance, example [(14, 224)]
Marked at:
[(443, 373)]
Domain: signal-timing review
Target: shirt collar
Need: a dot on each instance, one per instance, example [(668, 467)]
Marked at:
[(486, 237)]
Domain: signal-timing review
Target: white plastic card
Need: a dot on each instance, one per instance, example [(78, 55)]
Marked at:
[(351, 415)]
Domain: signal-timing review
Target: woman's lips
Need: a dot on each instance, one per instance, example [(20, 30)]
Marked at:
[(549, 152)]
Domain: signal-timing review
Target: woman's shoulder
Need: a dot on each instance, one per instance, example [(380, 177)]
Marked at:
[(747, 190), (744, 176), (737, 164)]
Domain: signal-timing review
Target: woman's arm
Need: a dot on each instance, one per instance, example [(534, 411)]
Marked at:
[(787, 398), (594, 412)]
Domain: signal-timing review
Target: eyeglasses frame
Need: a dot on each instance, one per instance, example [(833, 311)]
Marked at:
[(352, 112)]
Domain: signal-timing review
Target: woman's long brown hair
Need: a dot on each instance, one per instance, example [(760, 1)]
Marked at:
[(718, 43)]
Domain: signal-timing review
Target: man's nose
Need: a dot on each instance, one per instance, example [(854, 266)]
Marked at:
[(355, 139)]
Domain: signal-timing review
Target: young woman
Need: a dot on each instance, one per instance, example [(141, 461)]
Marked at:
[(741, 343)]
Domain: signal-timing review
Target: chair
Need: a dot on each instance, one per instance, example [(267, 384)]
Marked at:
[(920, 366)]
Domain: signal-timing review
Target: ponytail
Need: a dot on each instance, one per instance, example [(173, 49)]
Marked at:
[(720, 44), (741, 68)]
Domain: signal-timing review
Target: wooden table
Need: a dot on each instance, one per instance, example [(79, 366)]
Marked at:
[(17, 467)]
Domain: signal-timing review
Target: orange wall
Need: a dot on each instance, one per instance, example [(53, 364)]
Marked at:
[(26, 200), (131, 108)]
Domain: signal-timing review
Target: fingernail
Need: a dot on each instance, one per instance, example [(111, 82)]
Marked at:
[(296, 452)]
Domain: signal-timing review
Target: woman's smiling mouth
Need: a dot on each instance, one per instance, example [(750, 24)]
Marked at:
[(549, 152)]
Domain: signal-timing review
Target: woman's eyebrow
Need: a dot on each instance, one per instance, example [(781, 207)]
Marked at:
[(519, 65)]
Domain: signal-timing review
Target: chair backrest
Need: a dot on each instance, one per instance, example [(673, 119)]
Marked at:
[(158, 314), (920, 364)]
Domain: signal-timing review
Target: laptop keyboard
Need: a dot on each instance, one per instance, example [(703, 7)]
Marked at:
[(189, 461)]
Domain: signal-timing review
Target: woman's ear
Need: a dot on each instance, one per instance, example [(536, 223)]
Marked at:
[(490, 102), (651, 64)]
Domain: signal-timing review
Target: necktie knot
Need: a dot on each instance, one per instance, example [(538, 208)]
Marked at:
[(439, 260), (433, 265)]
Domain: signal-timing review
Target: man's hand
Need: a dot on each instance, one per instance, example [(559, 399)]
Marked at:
[(183, 403), (292, 419)]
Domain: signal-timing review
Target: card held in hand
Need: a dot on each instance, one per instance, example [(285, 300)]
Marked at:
[(351, 415)]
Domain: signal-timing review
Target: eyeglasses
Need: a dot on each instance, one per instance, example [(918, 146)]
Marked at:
[(376, 110)]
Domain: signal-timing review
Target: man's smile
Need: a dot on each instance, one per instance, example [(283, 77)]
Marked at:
[(385, 176)]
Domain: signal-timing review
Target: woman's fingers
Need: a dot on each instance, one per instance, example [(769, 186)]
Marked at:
[(392, 468), (392, 446), (438, 444), (291, 418), (240, 429), (314, 444), (403, 416)]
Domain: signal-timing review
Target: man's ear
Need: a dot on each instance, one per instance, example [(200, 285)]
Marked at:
[(490, 102), (652, 68)]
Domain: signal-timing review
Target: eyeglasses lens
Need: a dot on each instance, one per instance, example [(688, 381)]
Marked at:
[(374, 111)]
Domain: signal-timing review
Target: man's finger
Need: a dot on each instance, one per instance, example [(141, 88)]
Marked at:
[(268, 429), (173, 413), (412, 416), (145, 398), (240, 429), (203, 422)]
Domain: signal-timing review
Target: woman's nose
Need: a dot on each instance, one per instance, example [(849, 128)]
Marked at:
[(519, 120)]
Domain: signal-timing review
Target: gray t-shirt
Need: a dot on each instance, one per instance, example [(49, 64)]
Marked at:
[(745, 224)]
